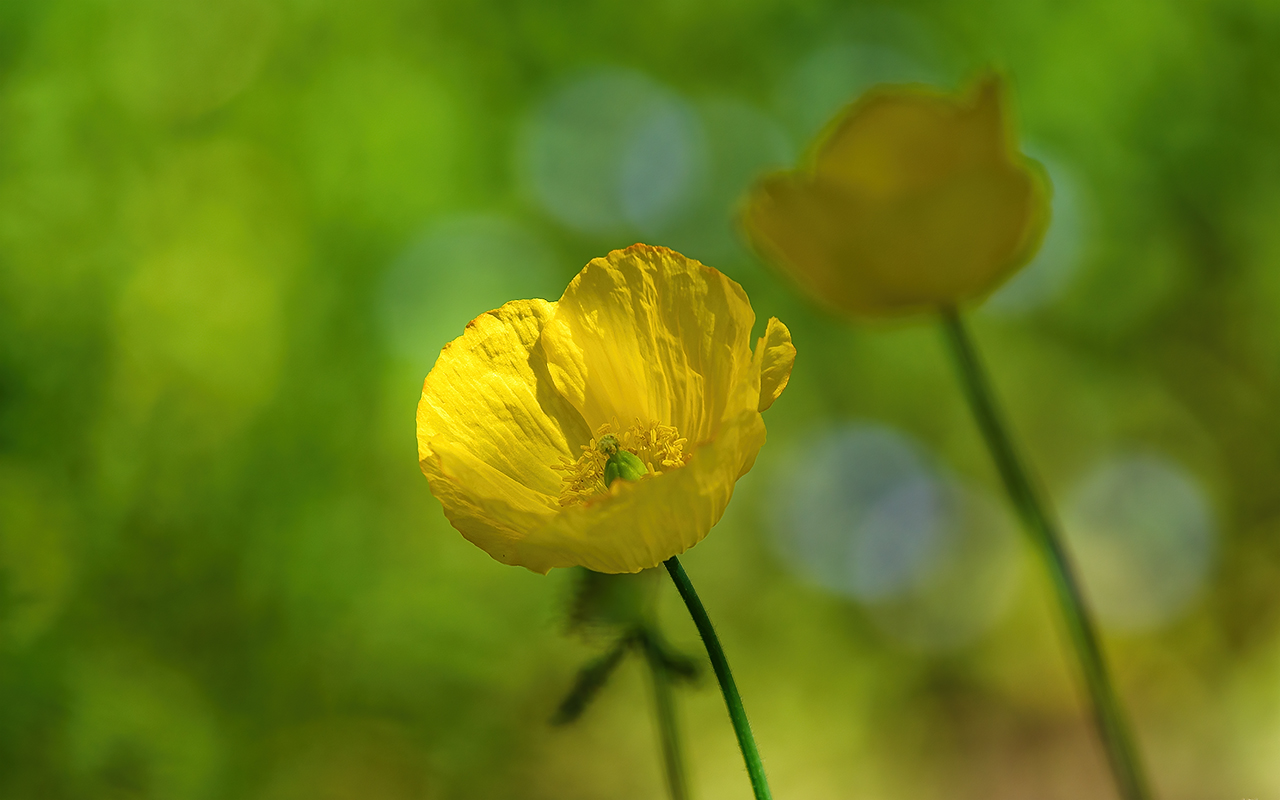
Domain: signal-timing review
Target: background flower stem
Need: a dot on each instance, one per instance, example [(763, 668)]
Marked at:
[(1047, 539), (664, 703), (720, 665)]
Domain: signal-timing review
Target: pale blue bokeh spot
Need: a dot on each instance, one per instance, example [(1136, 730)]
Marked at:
[(1144, 534), (613, 151), (863, 511), (455, 269)]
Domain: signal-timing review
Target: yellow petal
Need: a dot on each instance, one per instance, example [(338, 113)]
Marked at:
[(915, 200), (647, 334), (797, 224), (490, 425), (776, 355), (488, 508), (902, 140)]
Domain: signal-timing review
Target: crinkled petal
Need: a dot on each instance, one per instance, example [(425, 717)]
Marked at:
[(647, 334), (640, 525), (490, 509), (491, 425), (776, 355)]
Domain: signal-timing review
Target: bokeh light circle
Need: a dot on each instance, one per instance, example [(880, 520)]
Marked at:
[(457, 268), (1144, 535), (861, 510), (744, 143), (613, 150), (833, 76), (858, 512)]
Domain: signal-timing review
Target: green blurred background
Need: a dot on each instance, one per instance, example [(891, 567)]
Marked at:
[(235, 235)]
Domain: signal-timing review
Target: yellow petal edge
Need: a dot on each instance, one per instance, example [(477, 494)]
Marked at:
[(643, 335)]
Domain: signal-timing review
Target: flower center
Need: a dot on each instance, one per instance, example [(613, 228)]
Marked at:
[(659, 448)]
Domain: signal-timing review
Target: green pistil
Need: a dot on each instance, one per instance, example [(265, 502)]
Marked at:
[(624, 464)]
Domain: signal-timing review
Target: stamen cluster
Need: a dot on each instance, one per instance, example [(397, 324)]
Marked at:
[(659, 447)]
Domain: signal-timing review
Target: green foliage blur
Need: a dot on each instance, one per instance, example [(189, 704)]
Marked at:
[(235, 235)]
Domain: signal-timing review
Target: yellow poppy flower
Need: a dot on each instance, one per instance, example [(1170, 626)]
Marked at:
[(912, 201), (647, 352)]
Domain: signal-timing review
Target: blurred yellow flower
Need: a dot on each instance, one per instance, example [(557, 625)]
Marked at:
[(912, 201), (647, 351)]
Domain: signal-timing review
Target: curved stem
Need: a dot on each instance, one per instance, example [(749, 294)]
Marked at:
[(737, 714), (664, 704), (1045, 536)]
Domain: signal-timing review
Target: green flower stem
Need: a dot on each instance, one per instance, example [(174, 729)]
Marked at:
[(737, 714), (667, 729), (1043, 530)]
